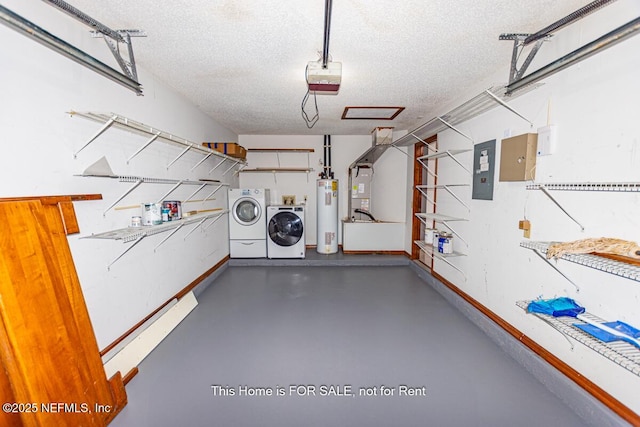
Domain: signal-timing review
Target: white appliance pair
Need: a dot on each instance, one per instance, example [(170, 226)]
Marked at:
[(257, 230)]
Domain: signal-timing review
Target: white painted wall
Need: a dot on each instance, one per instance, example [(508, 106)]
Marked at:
[(38, 139), (388, 194), (595, 105)]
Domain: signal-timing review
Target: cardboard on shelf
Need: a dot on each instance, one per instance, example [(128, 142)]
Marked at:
[(229, 148)]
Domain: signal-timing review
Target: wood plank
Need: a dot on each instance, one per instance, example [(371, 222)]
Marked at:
[(620, 258), (69, 219), (7, 418), (54, 200), (49, 350)]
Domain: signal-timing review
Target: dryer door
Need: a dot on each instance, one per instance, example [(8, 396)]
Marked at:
[(246, 211), (285, 228)]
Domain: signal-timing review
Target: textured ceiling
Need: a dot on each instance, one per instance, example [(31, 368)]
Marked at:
[(243, 61)]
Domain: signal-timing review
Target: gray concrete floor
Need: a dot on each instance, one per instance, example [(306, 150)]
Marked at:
[(367, 327)]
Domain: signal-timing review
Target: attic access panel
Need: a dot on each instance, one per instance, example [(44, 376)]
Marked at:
[(371, 113)]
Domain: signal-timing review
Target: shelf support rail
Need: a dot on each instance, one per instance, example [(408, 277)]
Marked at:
[(102, 130), (175, 230), (216, 166), (230, 167), (135, 242), (213, 192), (544, 258), (429, 171), (426, 196), (444, 259), (182, 153), (449, 125), (446, 187), (202, 161), (457, 161), (446, 224), (177, 184), (507, 106), (220, 215), (546, 192), (145, 145), (196, 227), (126, 193), (195, 192)]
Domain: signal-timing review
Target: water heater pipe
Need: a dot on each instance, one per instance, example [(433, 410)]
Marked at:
[(327, 173)]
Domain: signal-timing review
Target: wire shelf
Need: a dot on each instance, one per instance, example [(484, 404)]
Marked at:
[(122, 122), (623, 187), (617, 268), (133, 233), (438, 217), (477, 105), (620, 352)]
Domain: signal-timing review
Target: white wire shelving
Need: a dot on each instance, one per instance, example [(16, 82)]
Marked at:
[(442, 219), (138, 180), (441, 154), (137, 234), (620, 352), (616, 187), (611, 266), (428, 249), (447, 187), (279, 168), (477, 105), (116, 120)]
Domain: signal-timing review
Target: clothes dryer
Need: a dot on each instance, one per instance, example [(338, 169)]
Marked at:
[(285, 232), (247, 222)]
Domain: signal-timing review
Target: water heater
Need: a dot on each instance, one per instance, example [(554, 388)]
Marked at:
[(327, 218)]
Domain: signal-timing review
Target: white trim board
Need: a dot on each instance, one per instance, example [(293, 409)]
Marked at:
[(148, 339)]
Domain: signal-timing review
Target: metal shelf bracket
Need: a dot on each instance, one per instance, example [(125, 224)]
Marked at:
[(100, 131), (135, 242), (449, 125), (544, 190), (145, 145), (544, 258), (133, 187)]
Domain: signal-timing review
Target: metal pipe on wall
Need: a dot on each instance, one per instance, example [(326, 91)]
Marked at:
[(326, 172)]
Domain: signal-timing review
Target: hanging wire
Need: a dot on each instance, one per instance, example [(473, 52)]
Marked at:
[(310, 122)]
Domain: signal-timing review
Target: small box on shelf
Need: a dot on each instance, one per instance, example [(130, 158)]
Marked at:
[(229, 148)]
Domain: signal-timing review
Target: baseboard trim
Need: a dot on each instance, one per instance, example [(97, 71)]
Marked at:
[(571, 387), (374, 252), (177, 296)]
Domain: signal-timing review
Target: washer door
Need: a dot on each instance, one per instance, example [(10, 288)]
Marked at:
[(246, 211), (285, 228)]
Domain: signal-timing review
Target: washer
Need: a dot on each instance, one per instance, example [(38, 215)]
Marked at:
[(247, 222), (285, 232)]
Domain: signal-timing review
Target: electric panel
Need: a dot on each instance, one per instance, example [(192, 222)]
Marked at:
[(484, 159)]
